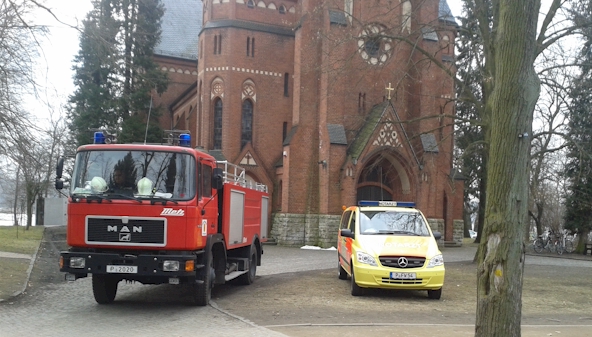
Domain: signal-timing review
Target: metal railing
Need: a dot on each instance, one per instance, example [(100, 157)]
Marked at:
[(234, 174)]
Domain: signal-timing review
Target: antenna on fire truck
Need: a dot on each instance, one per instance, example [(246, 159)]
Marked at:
[(148, 120)]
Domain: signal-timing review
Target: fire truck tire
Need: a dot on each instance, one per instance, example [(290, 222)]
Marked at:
[(202, 293), (249, 277), (104, 288)]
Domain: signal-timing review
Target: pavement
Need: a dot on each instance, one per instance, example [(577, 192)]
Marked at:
[(276, 258), (16, 255)]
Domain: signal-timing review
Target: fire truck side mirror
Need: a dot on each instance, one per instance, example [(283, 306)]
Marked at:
[(60, 168), (218, 178), (59, 184)]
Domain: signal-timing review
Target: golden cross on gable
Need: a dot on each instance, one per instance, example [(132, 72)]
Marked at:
[(389, 88)]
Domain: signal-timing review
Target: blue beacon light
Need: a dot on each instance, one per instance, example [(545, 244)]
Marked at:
[(386, 203), (185, 139), (99, 138)]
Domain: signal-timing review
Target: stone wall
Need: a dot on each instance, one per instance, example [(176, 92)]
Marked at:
[(457, 230), (438, 226), (321, 230), (305, 229)]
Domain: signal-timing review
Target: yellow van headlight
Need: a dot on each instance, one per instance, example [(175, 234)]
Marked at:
[(365, 258), (437, 260)]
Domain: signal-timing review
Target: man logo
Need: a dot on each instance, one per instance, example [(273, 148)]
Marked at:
[(125, 229), (125, 237)]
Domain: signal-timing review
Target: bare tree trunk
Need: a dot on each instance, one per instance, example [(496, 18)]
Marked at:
[(29, 210), (16, 193), (501, 254), (40, 211)]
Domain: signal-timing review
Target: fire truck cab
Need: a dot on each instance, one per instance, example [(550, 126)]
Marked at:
[(160, 214)]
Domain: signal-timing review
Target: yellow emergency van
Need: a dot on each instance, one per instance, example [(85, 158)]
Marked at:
[(389, 244)]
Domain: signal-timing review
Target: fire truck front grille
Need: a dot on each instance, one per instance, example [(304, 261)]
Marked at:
[(136, 232)]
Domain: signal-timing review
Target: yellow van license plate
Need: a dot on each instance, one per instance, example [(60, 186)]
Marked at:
[(402, 276)]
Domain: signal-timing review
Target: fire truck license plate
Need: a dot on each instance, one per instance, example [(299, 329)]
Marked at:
[(122, 269), (403, 276)]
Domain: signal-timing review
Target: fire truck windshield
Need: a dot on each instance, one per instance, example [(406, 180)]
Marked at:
[(143, 174)]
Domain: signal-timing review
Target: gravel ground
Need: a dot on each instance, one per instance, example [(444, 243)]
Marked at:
[(297, 293)]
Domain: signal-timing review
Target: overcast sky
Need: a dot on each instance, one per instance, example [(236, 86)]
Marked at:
[(54, 69)]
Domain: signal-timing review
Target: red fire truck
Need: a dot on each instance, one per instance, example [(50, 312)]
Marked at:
[(160, 214)]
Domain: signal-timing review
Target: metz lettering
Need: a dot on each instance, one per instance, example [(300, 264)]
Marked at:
[(172, 212), (124, 229)]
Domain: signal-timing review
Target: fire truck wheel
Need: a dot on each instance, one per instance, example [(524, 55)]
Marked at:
[(249, 277), (202, 293), (104, 288)]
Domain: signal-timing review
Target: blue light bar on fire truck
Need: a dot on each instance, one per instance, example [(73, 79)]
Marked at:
[(185, 139), (99, 138), (367, 203)]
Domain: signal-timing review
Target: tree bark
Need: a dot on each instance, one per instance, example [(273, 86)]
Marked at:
[(516, 90)]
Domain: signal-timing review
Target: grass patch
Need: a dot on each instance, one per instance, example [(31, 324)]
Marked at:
[(16, 239)]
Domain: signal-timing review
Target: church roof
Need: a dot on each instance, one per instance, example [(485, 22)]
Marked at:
[(445, 14), (372, 121), (181, 23), (217, 154), (337, 134), (254, 26), (429, 143), (367, 130)]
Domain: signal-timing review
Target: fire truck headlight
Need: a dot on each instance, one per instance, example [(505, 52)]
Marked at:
[(77, 262), (170, 265)]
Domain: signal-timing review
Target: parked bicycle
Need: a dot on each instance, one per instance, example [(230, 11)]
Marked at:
[(567, 243), (560, 244), (547, 241)]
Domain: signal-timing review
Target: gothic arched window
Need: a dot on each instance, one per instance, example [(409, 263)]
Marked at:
[(217, 124), (247, 123), (286, 82)]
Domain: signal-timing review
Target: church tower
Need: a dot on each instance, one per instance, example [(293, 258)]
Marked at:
[(328, 102)]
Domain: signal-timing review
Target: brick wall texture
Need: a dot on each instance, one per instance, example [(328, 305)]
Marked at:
[(303, 66)]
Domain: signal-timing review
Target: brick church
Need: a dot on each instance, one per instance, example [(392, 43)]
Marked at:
[(326, 102)]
